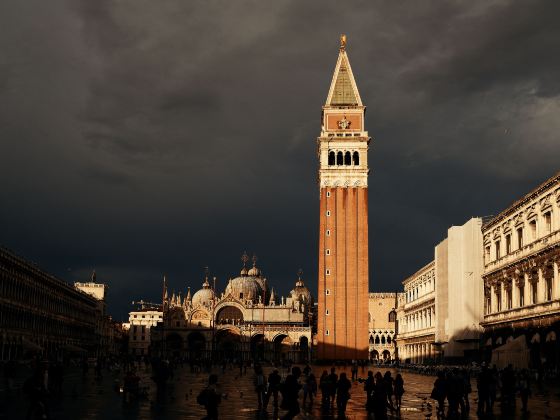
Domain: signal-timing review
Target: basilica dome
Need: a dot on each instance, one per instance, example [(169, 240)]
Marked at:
[(245, 288), (301, 293), (204, 296)]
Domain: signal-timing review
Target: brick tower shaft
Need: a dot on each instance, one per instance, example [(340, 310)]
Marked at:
[(343, 237)]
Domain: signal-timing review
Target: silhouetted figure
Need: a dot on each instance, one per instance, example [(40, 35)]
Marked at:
[(325, 389), (369, 386), (467, 389), (309, 389), (399, 390), (483, 387), (131, 385), (354, 370), (290, 390), (260, 385), (332, 380), (379, 398), (508, 388), (34, 388), (160, 376), (342, 394), (273, 387), (211, 397), (440, 392), (493, 386), (524, 386), (388, 379)]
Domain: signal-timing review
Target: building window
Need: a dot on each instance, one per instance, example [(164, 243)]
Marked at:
[(534, 298), (497, 250), (328, 292), (143, 338), (328, 194), (509, 299), (488, 305), (548, 288), (241, 295), (339, 159), (331, 158), (327, 312), (143, 329), (548, 222), (521, 295), (327, 332), (533, 228), (328, 272), (328, 232), (487, 253), (520, 238), (134, 329), (508, 243), (328, 213), (498, 300), (347, 159), (135, 316), (328, 251), (356, 158)]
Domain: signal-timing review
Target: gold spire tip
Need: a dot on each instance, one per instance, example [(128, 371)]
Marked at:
[(342, 41)]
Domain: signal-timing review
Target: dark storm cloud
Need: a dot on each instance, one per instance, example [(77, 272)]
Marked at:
[(143, 138)]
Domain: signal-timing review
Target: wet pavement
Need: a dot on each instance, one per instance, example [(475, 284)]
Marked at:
[(91, 398)]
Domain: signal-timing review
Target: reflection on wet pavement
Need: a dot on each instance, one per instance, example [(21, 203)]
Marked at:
[(89, 398)]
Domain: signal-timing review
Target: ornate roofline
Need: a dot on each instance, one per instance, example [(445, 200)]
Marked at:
[(512, 208), (431, 265)]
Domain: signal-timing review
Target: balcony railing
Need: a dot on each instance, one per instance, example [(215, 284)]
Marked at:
[(540, 309), (528, 249)]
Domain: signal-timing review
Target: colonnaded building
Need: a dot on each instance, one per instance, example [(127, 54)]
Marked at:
[(342, 331), (245, 321), (521, 279)]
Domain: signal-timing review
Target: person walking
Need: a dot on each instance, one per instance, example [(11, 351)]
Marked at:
[(309, 389), (333, 379), (379, 398), (342, 394), (325, 389), (439, 392), (369, 386), (399, 391), (524, 389), (274, 380), (211, 397), (354, 370), (290, 390), (483, 388), (388, 379), (260, 386)]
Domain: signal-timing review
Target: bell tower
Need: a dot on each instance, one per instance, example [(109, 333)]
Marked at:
[(343, 232)]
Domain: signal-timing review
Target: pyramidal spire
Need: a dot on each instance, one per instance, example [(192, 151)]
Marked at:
[(343, 90)]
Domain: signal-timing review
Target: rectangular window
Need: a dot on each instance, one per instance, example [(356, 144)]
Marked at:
[(549, 289), (328, 193), (328, 272), (520, 238), (521, 295), (548, 222), (328, 251), (327, 312), (509, 299), (328, 213), (533, 229), (498, 301), (143, 329), (497, 250), (328, 292), (508, 244), (328, 232), (488, 305), (134, 329), (534, 298), (487, 253), (327, 332)]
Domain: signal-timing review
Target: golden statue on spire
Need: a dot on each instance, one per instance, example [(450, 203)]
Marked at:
[(343, 42)]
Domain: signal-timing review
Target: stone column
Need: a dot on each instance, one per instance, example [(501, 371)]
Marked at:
[(493, 298), (555, 281), (541, 285), (527, 290), (514, 294)]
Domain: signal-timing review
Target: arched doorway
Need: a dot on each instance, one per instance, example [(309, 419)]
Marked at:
[(228, 344), (196, 345), (304, 349), (386, 355), (374, 355), (174, 345), (258, 346), (282, 347)]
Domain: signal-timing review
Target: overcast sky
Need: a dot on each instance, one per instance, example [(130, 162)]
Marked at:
[(142, 137)]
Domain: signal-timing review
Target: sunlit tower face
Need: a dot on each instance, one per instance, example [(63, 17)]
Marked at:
[(343, 237)]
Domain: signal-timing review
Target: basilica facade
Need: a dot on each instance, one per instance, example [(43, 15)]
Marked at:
[(244, 321)]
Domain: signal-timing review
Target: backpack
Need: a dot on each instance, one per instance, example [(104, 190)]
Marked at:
[(202, 398)]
